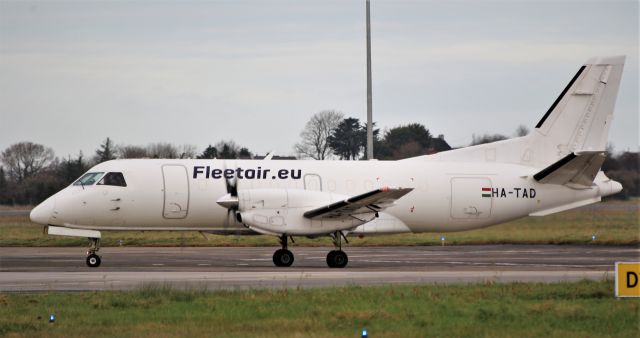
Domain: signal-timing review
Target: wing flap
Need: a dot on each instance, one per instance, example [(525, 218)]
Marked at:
[(575, 169), (372, 201)]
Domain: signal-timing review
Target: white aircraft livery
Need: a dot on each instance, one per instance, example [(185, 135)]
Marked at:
[(555, 167)]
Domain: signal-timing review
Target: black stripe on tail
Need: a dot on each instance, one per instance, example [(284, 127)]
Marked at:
[(544, 118)]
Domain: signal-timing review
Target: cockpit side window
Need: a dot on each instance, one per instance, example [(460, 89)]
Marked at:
[(88, 179), (116, 179)]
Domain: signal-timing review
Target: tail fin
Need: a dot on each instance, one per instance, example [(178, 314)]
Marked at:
[(579, 119), (577, 122)]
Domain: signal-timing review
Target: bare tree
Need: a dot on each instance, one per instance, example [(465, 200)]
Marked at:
[(162, 150), (25, 159), (131, 151), (188, 151), (486, 138), (522, 130), (315, 134)]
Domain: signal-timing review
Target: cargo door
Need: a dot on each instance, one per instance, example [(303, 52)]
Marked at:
[(176, 191), (471, 197)]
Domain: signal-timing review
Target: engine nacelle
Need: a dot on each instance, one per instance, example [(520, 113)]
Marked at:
[(281, 211)]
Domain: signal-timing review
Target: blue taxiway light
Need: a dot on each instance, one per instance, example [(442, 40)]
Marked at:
[(52, 318), (364, 333)]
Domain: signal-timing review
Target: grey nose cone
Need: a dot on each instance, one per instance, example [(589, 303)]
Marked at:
[(42, 212)]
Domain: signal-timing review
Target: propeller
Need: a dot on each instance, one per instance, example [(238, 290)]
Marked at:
[(230, 200)]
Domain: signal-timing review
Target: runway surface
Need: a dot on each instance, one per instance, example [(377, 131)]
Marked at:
[(43, 269)]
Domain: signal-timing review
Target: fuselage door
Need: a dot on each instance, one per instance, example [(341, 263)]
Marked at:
[(176, 191), (471, 197)]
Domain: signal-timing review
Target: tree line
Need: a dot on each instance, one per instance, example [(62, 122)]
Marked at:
[(330, 135), (30, 172)]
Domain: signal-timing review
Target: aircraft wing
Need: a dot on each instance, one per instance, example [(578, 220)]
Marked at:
[(576, 169), (372, 201)]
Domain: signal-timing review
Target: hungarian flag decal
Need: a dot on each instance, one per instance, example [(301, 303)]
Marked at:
[(486, 192)]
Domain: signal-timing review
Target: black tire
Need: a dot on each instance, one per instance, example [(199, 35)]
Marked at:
[(283, 257), (330, 258), (286, 258), (276, 257), (93, 261), (337, 259)]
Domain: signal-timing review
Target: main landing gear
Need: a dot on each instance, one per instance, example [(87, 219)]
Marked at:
[(337, 258), (93, 260), (283, 257)]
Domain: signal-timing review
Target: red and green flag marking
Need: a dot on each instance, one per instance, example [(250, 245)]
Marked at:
[(486, 192)]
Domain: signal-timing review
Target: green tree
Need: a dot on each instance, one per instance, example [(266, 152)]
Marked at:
[(71, 168), (348, 139), (105, 152), (404, 141), (244, 153), (209, 152), (227, 149)]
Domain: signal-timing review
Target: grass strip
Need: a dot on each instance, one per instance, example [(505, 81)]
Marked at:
[(582, 309)]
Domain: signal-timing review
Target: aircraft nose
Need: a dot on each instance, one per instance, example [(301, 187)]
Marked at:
[(42, 212)]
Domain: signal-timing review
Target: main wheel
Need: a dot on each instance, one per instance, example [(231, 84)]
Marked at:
[(337, 259), (93, 261), (330, 258), (282, 257)]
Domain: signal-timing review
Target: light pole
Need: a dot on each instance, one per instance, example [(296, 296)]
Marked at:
[(369, 104)]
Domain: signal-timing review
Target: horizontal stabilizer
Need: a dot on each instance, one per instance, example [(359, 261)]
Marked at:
[(369, 202), (576, 169)]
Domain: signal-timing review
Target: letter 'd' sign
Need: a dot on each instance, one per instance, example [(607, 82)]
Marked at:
[(627, 279)]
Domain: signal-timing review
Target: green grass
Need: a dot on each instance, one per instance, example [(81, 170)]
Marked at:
[(583, 309), (613, 222)]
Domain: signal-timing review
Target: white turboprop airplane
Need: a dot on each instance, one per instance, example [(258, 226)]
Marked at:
[(554, 168)]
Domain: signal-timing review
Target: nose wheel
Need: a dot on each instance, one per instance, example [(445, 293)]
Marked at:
[(93, 260), (283, 257)]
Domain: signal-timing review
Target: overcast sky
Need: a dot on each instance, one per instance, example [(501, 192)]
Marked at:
[(73, 73)]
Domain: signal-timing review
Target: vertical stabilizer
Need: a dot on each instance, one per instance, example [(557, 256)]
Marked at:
[(579, 119), (577, 122)]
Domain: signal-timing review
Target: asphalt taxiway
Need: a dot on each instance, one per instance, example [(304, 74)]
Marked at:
[(43, 269)]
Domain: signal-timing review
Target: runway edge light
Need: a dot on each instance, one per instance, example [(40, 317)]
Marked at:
[(627, 282)]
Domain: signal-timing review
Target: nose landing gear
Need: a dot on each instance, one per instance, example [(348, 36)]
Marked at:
[(93, 260), (283, 257)]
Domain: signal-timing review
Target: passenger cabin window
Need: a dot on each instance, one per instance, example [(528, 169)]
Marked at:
[(88, 179), (116, 179)]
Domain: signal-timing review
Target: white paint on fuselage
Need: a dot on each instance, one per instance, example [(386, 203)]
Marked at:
[(428, 208)]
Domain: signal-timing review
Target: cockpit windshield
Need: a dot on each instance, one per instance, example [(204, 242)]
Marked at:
[(88, 179), (115, 179)]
